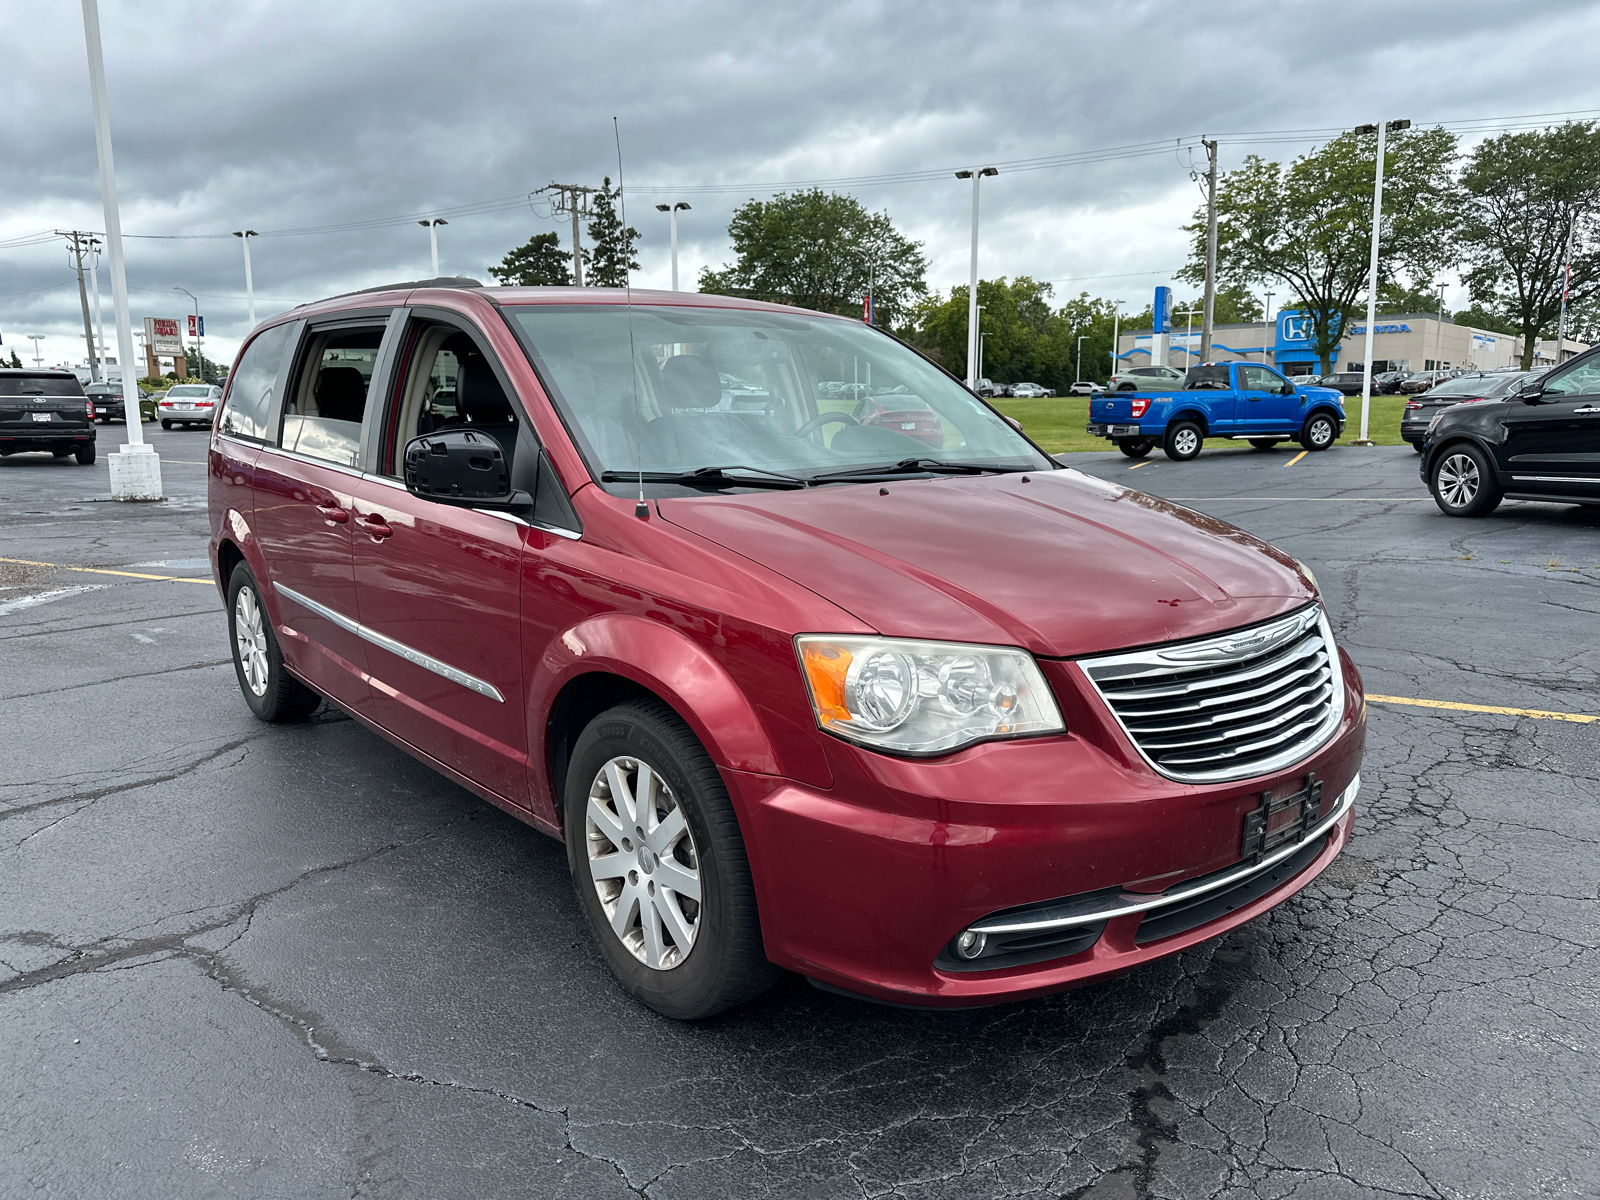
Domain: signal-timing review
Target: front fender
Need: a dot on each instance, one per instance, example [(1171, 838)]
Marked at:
[(675, 667)]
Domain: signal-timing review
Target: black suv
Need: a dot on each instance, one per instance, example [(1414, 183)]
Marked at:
[(1540, 443), (45, 410)]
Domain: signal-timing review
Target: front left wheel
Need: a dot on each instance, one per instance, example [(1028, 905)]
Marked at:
[(659, 864), (1318, 432)]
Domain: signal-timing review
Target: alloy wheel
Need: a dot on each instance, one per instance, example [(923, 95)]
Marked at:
[(251, 636), (1321, 433), (1458, 480), (1186, 443), (643, 862)]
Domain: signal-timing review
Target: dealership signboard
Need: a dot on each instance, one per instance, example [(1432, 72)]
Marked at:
[(163, 336)]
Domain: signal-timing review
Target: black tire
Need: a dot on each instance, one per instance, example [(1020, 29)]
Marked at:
[(1462, 481), (1319, 431), (1135, 447), (281, 697), (1264, 443), (1183, 441), (1417, 446), (85, 455), (166, 424), (1127, 387), (725, 964)]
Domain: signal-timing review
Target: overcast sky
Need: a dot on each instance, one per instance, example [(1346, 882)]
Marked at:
[(287, 114)]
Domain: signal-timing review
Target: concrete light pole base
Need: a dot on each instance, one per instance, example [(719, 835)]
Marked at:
[(135, 473), (1363, 442)]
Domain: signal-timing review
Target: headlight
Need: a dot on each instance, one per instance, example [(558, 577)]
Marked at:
[(924, 697), (1306, 571)]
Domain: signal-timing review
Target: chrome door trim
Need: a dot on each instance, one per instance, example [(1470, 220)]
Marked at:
[(425, 661), (1101, 908)]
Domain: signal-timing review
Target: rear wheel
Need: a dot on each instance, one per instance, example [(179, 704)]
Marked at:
[(166, 424), (271, 692), (1318, 432), (659, 865), (1135, 447), (1463, 483), (85, 455), (1417, 446), (1183, 441), (1264, 443)]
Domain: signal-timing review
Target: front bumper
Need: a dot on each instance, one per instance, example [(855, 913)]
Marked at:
[(863, 887)]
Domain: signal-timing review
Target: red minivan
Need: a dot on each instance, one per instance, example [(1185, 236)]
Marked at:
[(933, 722)]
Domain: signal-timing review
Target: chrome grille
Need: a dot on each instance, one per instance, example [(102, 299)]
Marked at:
[(1228, 707)]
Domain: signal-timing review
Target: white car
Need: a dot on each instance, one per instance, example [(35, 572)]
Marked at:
[(188, 404), (1028, 391), (1086, 388), (1146, 379)]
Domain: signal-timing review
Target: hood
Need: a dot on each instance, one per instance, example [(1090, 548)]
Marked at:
[(1063, 565)]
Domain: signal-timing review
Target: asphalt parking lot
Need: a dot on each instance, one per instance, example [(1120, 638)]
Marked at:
[(242, 960)]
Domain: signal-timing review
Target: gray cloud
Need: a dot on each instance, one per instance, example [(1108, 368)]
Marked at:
[(293, 114)]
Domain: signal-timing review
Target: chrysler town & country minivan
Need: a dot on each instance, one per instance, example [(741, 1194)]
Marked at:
[(921, 716)]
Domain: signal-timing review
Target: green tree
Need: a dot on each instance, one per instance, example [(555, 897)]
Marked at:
[(15, 361), (1309, 225), (1526, 195), (538, 262), (821, 250), (1398, 297), (1025, 338), (609, 256), (202, 369)]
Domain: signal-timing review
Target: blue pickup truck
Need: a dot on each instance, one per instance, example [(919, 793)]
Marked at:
[(1231, 400)]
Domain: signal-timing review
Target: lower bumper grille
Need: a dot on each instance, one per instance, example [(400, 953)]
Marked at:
[(1245, 703)]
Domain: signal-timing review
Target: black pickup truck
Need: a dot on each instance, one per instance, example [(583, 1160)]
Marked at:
[(45, 410)]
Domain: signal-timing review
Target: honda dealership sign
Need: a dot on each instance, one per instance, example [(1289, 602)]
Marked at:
[(164, 337)]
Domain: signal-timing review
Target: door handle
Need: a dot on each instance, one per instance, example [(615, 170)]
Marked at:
[(1587, 408), (333, 511), (377, 528)]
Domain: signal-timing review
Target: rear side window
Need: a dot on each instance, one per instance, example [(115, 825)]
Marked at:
[(328, 399), (249, 406), (1211, 377), (39, 385)]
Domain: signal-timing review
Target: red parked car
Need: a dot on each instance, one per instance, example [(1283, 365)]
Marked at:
[(939, 724), (906, 413)]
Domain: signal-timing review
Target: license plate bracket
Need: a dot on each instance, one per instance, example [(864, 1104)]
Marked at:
[(1277, 822), (41, 416)]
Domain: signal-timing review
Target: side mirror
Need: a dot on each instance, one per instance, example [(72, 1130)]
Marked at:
[(465, 467), (1531, 392), (1014, 423)]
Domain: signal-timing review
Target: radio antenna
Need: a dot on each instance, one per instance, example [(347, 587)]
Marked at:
[(641, 509)]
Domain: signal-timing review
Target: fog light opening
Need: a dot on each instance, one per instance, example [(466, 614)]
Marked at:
[(970, 943)]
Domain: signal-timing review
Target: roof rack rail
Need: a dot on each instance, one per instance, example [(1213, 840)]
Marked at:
[(443, 281)]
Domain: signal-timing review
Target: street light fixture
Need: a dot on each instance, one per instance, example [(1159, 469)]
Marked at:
[(244, 236), (433, 239), (976, 174), (672, 211), (199, 341), (38, 359), (1381, 128)]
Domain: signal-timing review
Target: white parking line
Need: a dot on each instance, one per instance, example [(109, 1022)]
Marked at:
[(38, 598)]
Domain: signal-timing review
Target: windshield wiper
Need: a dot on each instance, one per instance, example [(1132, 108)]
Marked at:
[(710, 475), (920, 466)]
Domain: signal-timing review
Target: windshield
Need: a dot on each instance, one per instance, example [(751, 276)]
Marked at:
[(1474, 385), (801, 394), (193, 390), (39, 385)]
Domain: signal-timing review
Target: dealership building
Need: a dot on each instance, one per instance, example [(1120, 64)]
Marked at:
[(1400, 342)]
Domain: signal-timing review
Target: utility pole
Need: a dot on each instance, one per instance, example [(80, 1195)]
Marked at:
[(1078, 374), (1210, 301), (78, 244), (574, 199), (976, 174), (1116, 335), (99, 315)]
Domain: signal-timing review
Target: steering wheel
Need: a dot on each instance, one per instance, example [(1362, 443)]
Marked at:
[(821, 419)]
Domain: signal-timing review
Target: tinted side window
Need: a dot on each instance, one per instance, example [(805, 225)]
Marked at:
[(1212, 377), (1580, 379), (249, 405)]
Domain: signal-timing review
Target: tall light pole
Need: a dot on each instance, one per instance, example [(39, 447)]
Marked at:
[(976, 174), (982, 333), (672, 211), (1079, 371), (199, 342), (38, 359), (136, 470), (433, 240), (1438, 333), (1116, 333), (244, 236), (99, 317), (1381, 129)]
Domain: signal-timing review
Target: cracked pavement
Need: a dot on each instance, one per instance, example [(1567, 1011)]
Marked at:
[(242, 960)]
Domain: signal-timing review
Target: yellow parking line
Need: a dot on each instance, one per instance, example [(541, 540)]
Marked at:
[(1297, 458), (1578, 718), (1136, 466), (28, 562)]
